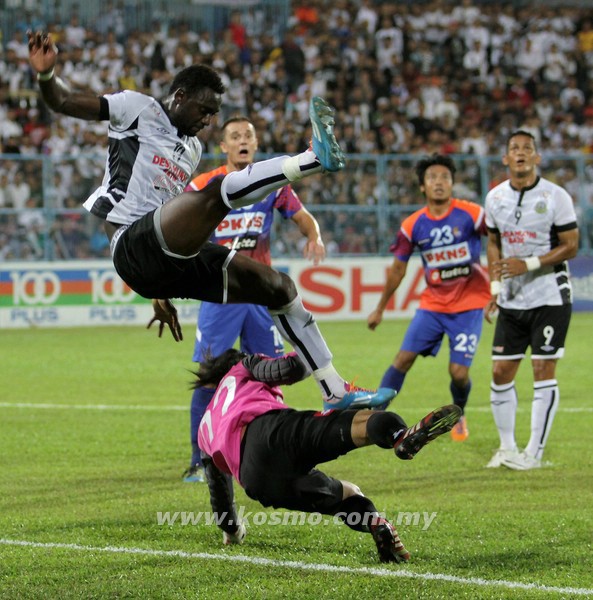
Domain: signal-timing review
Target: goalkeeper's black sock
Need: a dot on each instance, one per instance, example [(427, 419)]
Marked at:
[(359, 513), (384, 428)]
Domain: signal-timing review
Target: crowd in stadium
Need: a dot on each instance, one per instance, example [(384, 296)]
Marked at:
[(405, 78)]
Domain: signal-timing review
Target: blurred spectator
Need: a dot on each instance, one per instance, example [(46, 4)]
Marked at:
[(9, 125), (305, 15), (18, 191), (32, 222), (474, 142), (294, 60), (74, 33), (570, 94), (237, 29), (5, 200), (367, 17)]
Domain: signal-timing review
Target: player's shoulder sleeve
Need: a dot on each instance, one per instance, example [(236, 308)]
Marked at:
[(408, 224), (491, 198), (287, 202), (201, 181), (125, 106), (565, 217), (403, 246), (475, 211)]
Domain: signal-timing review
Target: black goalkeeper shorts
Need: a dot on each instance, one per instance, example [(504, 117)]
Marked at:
[(280, 450)]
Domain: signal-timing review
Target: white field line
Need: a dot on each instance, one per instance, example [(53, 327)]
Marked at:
[(298, 565), (165, 407), (45, 405)]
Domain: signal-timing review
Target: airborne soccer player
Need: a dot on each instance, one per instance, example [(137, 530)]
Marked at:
[(159, 234)]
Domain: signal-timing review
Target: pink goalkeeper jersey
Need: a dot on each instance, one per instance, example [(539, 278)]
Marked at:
[(238, 400)]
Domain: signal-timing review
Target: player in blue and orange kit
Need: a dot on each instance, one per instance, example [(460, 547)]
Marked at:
[(447, 232), (246, 230)]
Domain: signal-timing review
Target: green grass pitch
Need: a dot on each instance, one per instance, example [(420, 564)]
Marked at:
[(94, 430)]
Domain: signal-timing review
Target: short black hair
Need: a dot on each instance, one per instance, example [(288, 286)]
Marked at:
[(195, 78), (520, 132), (430, 161)]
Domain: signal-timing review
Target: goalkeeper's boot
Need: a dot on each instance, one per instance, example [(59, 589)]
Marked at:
[(435, 423), (235, 538), (389, 545)]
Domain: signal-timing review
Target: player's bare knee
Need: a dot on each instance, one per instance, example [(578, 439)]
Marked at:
[(282, 290), (209, 198), (544, 369), (459, 375), (501, 373), (288, 287)]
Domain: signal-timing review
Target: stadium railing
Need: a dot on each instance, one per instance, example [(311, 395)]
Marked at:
[(359, 209)]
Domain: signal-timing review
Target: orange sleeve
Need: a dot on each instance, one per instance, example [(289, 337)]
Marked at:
[(475, 210), (408, 223), (201, 181)]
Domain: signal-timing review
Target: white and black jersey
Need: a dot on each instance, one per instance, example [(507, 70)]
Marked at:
[(148, 163), (528, 222)]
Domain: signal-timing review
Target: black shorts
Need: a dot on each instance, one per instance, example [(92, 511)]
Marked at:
[(280, 450), (543, 328), (141, 262)]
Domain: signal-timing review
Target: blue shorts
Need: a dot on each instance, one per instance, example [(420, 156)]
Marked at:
[(425, 334), (220, 325)]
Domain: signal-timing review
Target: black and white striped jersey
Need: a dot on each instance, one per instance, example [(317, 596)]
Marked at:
[(148, 163), (528, 222)]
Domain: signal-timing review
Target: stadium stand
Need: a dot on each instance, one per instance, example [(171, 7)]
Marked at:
[(406, 78)]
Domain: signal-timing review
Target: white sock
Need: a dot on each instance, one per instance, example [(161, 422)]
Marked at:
[(258, 180), (503, 401), (297, 326), (301, 165), (546, 397)]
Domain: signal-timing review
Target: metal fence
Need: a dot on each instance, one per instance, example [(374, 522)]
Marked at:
[(269, 16), (359, 209)]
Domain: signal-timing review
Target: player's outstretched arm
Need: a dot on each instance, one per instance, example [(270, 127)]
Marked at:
[(43, 56), (314, 249), (395, 276)]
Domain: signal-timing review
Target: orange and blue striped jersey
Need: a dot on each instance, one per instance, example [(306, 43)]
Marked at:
[(450, 247)]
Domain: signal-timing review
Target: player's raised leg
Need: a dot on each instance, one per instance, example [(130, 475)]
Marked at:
[(241, 188)]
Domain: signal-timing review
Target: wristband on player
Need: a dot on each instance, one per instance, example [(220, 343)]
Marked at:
[(532, 263), (45, 76), (495, 287)]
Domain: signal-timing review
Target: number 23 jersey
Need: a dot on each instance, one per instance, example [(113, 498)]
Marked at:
[(450, 247)]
